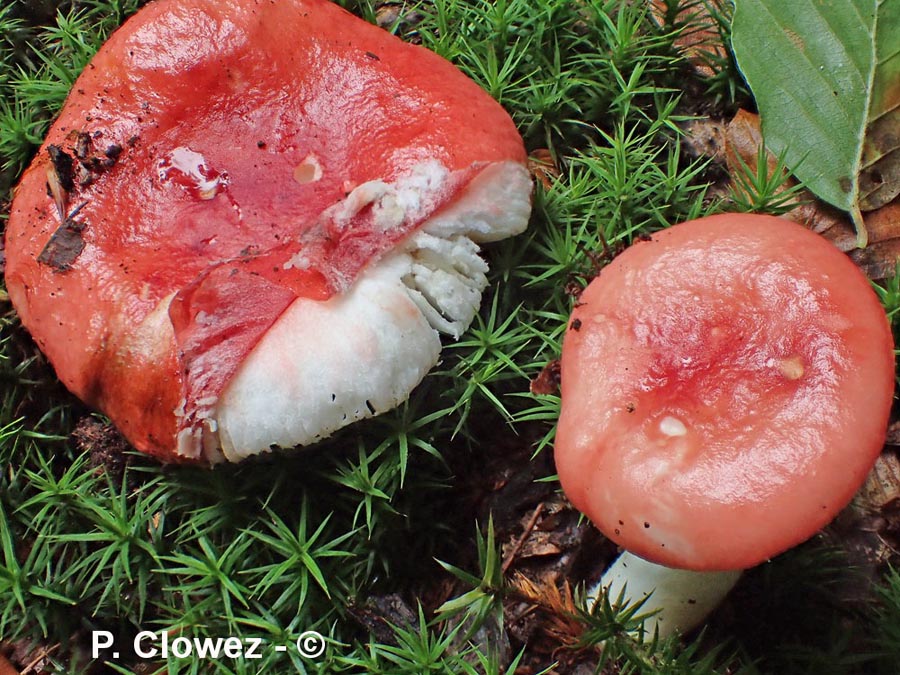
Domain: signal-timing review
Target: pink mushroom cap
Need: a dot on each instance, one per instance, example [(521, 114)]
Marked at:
[(726, 386)]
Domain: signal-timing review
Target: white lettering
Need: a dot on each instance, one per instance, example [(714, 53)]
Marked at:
[(148, 645), (138, 649), (208, 648), (233, 647), (181, 648), (253, 645), (97, 645)]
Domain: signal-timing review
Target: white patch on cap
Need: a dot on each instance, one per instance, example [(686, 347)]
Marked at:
[(361, 196), (790, 367), (392, 203), (191, 170), (309, 170), (672, 426)]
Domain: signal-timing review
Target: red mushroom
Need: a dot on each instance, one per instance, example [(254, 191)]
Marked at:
[(726, 388), (260, 214)]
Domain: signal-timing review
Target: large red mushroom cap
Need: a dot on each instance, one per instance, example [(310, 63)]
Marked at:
[(726, 387), (222, 165)]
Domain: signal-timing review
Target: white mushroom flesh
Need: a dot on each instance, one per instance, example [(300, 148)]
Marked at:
[(326, 364)]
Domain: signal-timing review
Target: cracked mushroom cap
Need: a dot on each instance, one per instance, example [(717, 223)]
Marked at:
[(251, 219), (726, 388)]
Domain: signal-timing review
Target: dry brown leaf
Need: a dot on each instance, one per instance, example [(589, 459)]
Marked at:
[(543, 167), (7, 668), (700, 41), (742, 140), (879, 182), (882, 486), (879, 259), (396, 17), (547, 381), (704, 137), (32, 658), (868, 530), (893, 433), (538, 545), (380, 613), (879, 178)]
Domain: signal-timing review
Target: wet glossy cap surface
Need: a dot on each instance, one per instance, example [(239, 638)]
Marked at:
[(206, 155), (725, 390)]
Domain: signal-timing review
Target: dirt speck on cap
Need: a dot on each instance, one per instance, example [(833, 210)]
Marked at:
[(64, 246), (62, 164)]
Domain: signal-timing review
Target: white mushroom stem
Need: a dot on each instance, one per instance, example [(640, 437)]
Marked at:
[(679, 599)]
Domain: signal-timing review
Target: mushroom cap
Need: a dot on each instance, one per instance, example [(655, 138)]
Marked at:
[(217, 161), (726, 387)]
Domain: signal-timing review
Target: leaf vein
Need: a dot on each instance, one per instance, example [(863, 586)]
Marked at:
[(819, 74)]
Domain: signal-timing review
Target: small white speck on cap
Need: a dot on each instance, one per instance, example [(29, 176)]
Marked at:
[(672, 426), (791, 367), (309, 170)]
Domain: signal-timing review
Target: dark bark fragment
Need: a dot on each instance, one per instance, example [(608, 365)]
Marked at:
[(64, 247)]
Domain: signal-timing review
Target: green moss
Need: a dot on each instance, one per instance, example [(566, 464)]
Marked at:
[(283, 545)]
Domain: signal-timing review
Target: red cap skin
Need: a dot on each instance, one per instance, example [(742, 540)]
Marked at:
[(726, 387), (215, 133)]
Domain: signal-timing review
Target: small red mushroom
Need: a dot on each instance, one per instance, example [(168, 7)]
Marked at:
[(259, 216), (726, 387)]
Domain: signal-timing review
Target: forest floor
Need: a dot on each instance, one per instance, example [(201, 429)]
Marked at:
[(435, 538)]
